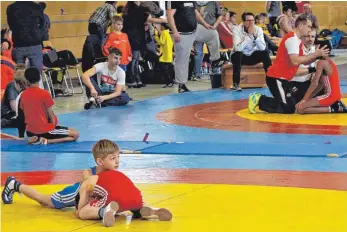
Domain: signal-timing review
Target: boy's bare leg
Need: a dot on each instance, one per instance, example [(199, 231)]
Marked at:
[(12, 186), (106, 213), (312, 107), (73, 136), (35, 195), (156, 213)]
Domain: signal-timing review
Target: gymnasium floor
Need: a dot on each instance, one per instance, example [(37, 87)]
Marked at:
[(212, 164)]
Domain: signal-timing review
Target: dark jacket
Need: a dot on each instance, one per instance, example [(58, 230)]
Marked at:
[(26, 21)]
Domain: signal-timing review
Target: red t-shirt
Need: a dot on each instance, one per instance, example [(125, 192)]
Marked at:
[(34, 102), (282, 67), (300, 5)]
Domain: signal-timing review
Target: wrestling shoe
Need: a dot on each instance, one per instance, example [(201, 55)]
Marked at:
[(253, 101), (338, 107), (183, 88), (11, 186), (162, 214), (111, 209)]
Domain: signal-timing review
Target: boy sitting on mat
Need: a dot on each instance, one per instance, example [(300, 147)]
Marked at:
[(36, 116), (327, 78), (106, 156), (114, 193)]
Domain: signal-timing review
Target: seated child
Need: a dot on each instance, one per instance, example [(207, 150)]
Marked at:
[(107, 88), (106, 156), (9, 109), (118, 39), (36, 116), (327, 78), (113, 193)]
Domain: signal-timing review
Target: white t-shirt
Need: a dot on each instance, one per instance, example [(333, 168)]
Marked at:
[(306, 77), (107, 80), (293, 45)]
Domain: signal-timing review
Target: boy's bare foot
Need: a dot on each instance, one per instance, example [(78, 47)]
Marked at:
[(34, 140), (162, 214), (111, 209)]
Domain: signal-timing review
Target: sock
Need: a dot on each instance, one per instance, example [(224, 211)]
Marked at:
[(101, 212), (16, 185), (331, 110)]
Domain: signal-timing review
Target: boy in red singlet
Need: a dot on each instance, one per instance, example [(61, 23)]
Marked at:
[(327, 78), (113, 192)]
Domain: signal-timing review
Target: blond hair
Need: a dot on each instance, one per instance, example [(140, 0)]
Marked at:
[(20, 79), (103, 148)]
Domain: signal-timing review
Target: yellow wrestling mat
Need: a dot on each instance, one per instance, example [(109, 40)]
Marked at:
[(308, 119), (200, 207)]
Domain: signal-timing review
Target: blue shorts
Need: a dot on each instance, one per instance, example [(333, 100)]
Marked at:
[(66, 197)]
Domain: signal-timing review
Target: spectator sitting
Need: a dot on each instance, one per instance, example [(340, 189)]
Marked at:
[(260, 22), (100, 20), (118, 39), (9, 109), (8, 67), (285, 21), (6, 42), (107, 89), (308, 13), (232, 21), (166, 54), (224, 31), (249, 48), (36, 116)]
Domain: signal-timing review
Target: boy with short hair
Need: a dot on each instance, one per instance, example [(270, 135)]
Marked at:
[(118, 39), (114, 193), (107, 88), (106, 156), (327, 78), (36, 116)]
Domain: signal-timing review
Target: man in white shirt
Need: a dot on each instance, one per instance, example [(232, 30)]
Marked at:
[(302, 78), (107, 88), (249, 47)]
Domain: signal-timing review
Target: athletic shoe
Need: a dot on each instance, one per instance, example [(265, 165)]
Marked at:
[(236, 87), (182, 88), (338, 107), (9, 190), (218, 63), (162, 214), (111, 209), (35, 140), (253, 101)]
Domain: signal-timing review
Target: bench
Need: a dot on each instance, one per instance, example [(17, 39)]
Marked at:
[(251, 76)]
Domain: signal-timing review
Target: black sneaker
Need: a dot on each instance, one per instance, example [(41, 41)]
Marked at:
[(236, 87), (90, 105), (338, 107), (182, 88), (5, 122)]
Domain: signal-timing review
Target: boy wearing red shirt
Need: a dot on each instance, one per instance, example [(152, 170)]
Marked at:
[(36, 116), (327, 78), (118, 39)]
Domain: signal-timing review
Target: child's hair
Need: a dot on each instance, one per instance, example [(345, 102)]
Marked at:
[(117, 18), (165, 25), (257, 18), (115, 51), (263, 15), (20, 80), (103, 148), (32, 75)]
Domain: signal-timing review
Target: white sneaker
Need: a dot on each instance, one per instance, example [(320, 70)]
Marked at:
[(111, 209)]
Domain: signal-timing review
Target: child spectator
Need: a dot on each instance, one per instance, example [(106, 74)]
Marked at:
[(36, 116), (6, 42), (107, 88), (8, 67), (166, 54), (118, 39), (9, 101)]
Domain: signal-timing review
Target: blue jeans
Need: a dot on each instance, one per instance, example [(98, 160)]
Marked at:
[(33, 53), (121, 100), (198, 58), (134, 72)]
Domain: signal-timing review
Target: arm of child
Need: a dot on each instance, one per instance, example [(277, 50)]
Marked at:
[(86, 80), (314, 81), (107, 45), (163, 37), (51, 117), (86, 188)]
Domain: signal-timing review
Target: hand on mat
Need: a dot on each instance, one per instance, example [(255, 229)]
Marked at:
[(324, 51), (100, 99), (176, 37)]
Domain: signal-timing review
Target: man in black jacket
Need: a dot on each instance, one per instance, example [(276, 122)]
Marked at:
[(26, 21)]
